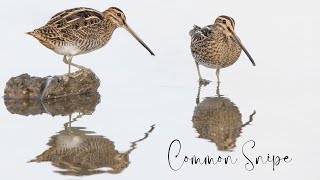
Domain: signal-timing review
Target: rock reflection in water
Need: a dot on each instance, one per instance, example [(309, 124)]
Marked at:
[(219, 120), (84, 104)]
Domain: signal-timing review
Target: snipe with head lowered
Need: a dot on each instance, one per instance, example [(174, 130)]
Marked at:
[(81, 30)]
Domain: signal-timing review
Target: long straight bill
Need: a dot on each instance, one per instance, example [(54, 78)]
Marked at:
[(138, 38), (235, 37)]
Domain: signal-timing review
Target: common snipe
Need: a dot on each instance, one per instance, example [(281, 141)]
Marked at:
[(81, 30), (216, 46)]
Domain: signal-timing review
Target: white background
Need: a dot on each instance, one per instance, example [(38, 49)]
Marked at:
[(139, 90)]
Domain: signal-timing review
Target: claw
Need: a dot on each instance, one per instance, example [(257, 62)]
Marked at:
[(86, 71)]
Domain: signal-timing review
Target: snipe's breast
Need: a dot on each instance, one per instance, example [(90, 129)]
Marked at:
[(216, 53)]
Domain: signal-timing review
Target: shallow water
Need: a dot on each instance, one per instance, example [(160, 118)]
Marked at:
[(147, 102)]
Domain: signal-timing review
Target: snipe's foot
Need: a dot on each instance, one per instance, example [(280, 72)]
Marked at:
[(82, 72), (72, 75), (204, 82), (86, 71)]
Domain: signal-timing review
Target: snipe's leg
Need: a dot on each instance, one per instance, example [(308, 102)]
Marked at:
[(68, 124), (199, 75), (71, 120), (218, 89), (202, 81), (198, 95), (69, 62), (218, 73)]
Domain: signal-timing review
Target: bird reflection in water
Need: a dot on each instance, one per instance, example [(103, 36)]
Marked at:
[(75, 150), (219, 120), (81, 153)]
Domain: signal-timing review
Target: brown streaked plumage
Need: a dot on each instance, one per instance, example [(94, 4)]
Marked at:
[(219, 120), (216, 46), (81, 30), (78, 152)]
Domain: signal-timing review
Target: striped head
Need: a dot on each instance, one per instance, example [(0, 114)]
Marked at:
[(119, 19), (227, 24), (116, 16)]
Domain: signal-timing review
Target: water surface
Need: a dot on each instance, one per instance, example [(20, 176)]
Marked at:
[(275, 103)]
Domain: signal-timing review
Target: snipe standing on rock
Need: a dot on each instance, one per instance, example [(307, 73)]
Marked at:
[(216, 46), (81, 30)]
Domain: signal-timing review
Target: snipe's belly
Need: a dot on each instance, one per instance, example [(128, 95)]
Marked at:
[(72, 49), (216, 57), (216, 61)]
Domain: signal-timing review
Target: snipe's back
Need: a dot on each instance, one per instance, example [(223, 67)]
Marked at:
[(81, 30)]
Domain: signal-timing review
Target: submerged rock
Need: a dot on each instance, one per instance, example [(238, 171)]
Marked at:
[(28, 87), (84, 104)]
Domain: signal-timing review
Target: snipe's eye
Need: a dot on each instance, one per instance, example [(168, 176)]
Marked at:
[(118, 14), (224, 22)]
